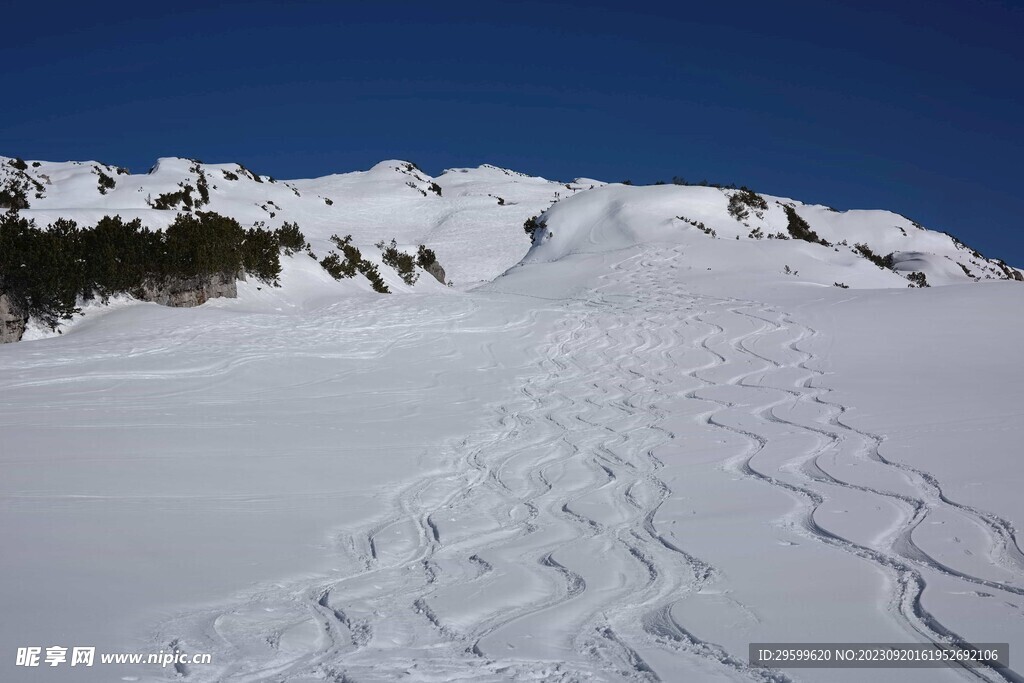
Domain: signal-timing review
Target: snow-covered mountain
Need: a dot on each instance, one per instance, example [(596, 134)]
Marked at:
[(674, 422), (473, 218)]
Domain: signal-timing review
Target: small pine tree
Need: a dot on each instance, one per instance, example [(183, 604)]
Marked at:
[(918, 279), (425, 257), (370, 272), (800, 229), (403, 263), (260, 255), (105, 182), (290, 238), (532, 225)]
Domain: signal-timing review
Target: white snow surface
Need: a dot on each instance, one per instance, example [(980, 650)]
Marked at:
[(633, 450)]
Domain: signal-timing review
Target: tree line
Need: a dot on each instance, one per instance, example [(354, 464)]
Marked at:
[(46, 271)]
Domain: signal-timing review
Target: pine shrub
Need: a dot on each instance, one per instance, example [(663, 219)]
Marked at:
[(799, 229), (425, 257), (883, 262), (45, 271), (403, 263), (370, 272), (105, 182), (290, 238), (742, 200), (532, 225), (918, 279), (39, 269), (170, 200)]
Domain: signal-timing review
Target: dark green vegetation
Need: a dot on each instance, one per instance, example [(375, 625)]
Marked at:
[(353, 262), (403, 263), (171, 200), (335, 265), (532, 225), (699, 225), (678, 180), (799, 229), (249, 173), (743, 200), (17, 185), (290, 238), (105, 182), (13, 196), (883, 262), (918, 279), (425, 257), (46, 271)]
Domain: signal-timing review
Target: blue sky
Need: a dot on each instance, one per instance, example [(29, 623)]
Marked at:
[(911, 106)]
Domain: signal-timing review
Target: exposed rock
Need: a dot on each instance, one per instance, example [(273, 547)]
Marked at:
[(176, 292), (437, 271), (193, 291), (12, 321)]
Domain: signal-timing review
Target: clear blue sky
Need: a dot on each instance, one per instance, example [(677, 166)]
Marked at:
[(911, 106)]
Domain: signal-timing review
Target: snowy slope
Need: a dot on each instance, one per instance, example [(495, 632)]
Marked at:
[(623, 459), (618, 216)]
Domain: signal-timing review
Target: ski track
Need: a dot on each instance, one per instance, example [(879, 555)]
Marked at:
[(548, 523)]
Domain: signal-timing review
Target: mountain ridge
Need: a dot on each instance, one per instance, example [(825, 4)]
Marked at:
[(474, 219)]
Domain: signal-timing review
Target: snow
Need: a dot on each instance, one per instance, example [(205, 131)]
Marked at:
[(624, 458)]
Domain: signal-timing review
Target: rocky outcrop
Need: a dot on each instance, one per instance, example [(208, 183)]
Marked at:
[(176, 292), (12, 321), (437, 271), (192, 291)]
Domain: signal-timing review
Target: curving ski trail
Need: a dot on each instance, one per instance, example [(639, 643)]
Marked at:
[(549, 549)]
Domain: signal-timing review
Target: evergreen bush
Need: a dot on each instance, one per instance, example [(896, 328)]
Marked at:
[(46, 271), (425, 257), (800, 229), (403, 263), (918, 279), (290, 238), (532, 225), (105, 182), (742, 200), (883, 262)]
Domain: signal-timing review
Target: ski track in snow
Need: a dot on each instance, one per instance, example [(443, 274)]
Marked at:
[(540, 555)]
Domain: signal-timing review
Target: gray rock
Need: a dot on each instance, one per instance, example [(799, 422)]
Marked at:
[(12, 321), (437, 271), (176, 292), (187, 292)]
